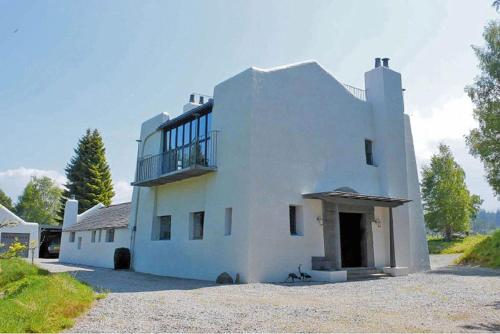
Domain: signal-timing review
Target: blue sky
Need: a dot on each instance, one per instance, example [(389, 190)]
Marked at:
[(69, 65)]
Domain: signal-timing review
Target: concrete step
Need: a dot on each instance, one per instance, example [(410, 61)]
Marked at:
[(365, 274), (363, 271)]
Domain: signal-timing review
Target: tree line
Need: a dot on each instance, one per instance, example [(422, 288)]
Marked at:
[(88, 180)]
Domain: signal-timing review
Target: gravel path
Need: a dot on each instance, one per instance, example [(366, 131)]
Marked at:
[(455, 299)]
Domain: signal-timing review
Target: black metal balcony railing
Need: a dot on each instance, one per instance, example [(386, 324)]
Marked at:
[(195, 158), (357, 92)]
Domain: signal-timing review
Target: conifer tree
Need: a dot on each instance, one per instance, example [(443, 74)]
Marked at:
[(88, 173)]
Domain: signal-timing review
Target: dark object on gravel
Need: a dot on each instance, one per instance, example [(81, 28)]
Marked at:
[(224, 278), (122, 258)]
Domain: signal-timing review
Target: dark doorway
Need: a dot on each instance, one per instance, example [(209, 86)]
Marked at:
[(351, 238)]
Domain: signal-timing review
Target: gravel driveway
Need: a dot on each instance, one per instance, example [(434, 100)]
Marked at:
[(452, 298)]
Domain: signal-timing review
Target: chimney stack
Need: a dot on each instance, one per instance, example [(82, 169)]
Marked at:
[(70, 213), (377, 62), (385, 62)]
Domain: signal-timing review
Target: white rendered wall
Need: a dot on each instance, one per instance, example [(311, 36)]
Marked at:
[(308, 135), (418, 242), (95, 254), (384, 93), (21, 227), (212, 193)]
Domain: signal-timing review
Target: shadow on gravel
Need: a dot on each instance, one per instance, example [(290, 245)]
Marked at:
[(465, 271), (125, 281), (482, 327)]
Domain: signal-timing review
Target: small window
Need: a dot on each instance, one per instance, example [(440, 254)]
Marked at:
[(100, 234), (110, 235), (228, 222), (79, 242), (92, 238), (196, 229), (162, 228), (295, 218), (72, 236), (369, 152)]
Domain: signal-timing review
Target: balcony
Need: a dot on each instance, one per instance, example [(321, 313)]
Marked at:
[(194, 159)]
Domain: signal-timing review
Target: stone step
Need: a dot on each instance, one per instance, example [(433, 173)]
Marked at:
[(363, 271)]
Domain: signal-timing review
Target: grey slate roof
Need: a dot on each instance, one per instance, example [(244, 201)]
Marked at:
[(113, 216)]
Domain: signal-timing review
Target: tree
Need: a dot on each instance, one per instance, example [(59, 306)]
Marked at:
[(448, 205), (88, 173), (6, 201), (484, 141), (40, 201)]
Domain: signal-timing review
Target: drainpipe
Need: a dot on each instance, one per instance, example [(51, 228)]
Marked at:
[(134, 228)]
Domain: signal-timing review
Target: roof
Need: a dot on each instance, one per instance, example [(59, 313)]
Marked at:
[(7, 216), (360, 198), (113, 216), (201, 109)]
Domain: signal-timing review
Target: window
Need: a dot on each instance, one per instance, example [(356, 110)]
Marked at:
[(228, 221), (100, 233), (110, 235), (162, 228), (196, 225), (92, 238), (188, 143), (72, 236), (79, 242), (369, 152), (295, 217)]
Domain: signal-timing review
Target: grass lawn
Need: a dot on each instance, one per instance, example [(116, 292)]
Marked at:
[(33, 300), (459, 245), (485, 253)]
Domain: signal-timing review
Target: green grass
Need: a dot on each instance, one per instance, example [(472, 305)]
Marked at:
[(458, 245), (32, 300), (485, 253)]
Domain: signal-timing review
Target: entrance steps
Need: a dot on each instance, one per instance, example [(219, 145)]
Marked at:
[(355, 274)]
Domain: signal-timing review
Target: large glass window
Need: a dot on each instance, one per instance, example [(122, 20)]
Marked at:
[(194, 129), (172, 138), (188, 144)]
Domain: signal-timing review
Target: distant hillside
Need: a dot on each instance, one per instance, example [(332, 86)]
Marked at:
[(486, 221)]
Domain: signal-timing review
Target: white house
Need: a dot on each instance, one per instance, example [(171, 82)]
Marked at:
[(90, 238), (283, 166), (16, 229)]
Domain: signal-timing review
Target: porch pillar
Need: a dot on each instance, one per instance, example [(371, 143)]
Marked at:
[(391, 239), (337, 260)]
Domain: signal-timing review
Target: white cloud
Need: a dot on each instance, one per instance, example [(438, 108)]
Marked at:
[(13, 181), (123, 192), (449, 123)]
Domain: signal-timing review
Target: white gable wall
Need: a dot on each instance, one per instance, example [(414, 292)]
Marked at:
[(96, 254), (308, 135), (21, 227)]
